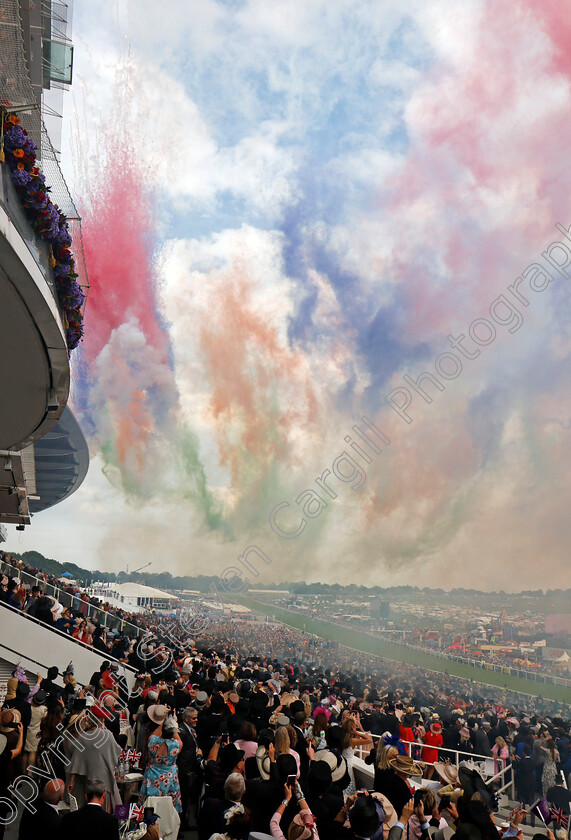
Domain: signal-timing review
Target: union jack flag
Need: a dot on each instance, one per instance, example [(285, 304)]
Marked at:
[(133, 755), (136, 812), (559, 816)]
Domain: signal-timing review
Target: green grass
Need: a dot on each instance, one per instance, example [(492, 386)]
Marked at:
[(365, 643)]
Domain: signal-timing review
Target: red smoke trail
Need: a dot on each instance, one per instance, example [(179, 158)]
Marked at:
[(119, 227)]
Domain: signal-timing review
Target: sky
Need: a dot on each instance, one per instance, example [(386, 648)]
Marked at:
[(291, 212)]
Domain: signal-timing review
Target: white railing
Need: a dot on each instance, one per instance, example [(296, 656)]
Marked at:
[(505, 775), (72, 601)]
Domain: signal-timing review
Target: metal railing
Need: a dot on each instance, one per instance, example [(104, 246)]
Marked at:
[(532, 676), (460, 755), (50, 627), (72, 601)]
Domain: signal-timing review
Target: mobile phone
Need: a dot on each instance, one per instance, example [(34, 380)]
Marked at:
[(418, 797), (291, 781)]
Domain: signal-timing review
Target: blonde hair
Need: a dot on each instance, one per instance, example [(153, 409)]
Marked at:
[(384, 755), (281, 741), (348, 727), (306, 704), (500, 742)]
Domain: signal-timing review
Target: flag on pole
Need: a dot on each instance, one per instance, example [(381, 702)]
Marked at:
[(541, 809), (136, 812)]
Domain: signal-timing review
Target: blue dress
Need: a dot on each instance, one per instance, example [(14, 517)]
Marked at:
[(161, 775)]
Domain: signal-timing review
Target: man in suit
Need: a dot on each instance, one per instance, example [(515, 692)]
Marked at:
[(212, 817), (189, 762), (46, 822), (91, 822)]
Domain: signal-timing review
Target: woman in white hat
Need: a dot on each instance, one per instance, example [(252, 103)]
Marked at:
[(161, 773)]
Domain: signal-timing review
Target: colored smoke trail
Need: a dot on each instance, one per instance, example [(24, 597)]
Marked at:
[(129, 392), (119, 231)]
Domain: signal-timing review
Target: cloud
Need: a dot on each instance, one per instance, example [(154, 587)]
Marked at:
[(327, 194)]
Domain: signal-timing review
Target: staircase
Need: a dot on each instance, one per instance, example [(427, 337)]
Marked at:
[(38, 646)]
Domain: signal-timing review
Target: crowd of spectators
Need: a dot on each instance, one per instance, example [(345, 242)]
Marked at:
[(77, 620), (254, 727)]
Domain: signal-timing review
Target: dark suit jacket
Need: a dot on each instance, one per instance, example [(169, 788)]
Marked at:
[(187, 759), (89, 823), (45, 823)]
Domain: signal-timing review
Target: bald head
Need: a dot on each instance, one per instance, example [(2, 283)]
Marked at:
[(54, 791)]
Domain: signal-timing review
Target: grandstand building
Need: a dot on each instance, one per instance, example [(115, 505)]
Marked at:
[(134, 597), (43, 283)]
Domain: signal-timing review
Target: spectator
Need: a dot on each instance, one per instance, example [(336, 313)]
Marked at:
[(501, 754), (551, 757), (45, 823), (38, 712), (91, 822), (161, 774)]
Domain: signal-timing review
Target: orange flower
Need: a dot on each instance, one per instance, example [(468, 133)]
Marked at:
[(18, 153), (21, 166), (13, 119), (35, 170)]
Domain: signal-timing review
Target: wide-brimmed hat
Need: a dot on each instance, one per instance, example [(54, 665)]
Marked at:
[(158, 713), (447, 772), (8, 717), (405, 764), (436, 728), (305, 821), (337, 763), (263, 762)]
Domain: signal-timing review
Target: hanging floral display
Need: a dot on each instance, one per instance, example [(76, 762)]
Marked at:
[(48, 221)]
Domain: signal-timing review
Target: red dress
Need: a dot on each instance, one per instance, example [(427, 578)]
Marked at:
[(429, 754)]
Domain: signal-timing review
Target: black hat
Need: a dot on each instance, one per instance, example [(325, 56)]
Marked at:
[(286, 766), (244, 688), (296, 706), (217, 703), (22, 690), (229, 756), (266, 737), (364, 817), (318, 778), (53, 672), (260, 701), (39, 697)]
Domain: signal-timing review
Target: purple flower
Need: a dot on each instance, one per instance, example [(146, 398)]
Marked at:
[(20, 177), (14, 139)]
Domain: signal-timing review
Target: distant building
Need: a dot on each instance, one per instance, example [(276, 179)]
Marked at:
[(133, 597)]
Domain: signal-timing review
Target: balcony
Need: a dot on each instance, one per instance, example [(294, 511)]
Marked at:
[(35, 375)]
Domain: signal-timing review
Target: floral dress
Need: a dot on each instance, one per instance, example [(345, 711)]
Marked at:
[(161, 775)]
